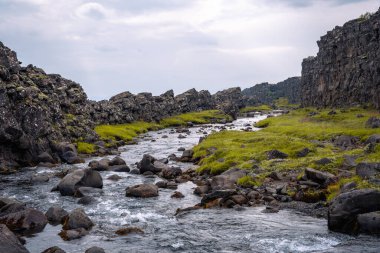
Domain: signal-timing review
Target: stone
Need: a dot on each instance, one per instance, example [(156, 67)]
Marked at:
[(27, 221), (172, 185), (373, 122), (373, 139), (56, 215), (142, 191), (147, 164), (171, 172), (119, 168), (128, 230), (177, 195), (228, 179), (39, 178), (218, 194), (161, 184), (77, 219), (54, 249), (368, 170), (95, 249), (323, 161), (276, 154), (83, 177), (369, 223), (45, 157), (187, 155), (317, 176), (117, 160), (345, 208), (9, 242), (86, 200), (239, 199), (114, 177), (72, 234), (346, 141), (101, 165), (201, 190), (304, 152)]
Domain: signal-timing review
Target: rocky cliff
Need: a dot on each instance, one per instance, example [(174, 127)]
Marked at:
[(266, 93), (41, 114), (346, 70)]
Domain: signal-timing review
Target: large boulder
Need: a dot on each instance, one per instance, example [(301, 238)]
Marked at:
[(320, 177), (83, 177), (369, 223), (276, 154), (147, 164), (345, 209), (77, 219), (142, 191), (171, 172), (54, 249), (26, 221), (346, 141), (367, 170), (9, 243), (228, 179), (56, 215), (373, 122), (187, 155)]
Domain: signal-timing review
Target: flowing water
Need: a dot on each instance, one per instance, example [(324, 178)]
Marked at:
[(208, 230)]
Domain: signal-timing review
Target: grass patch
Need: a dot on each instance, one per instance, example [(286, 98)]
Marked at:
[(127, 132), (288, 133), (247, 181), (258, 108), (85, 148)]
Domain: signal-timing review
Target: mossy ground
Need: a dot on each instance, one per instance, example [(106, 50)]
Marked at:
[(259, 108), (85, 148), (289, 133), (127, 132)]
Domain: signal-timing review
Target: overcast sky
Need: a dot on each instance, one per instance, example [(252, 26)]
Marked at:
[(110, 46)]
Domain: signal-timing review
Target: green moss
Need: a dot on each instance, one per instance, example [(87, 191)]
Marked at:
[(288, 133), (247, 181), (128, 131), (334, 189), (283, 103), (85, 148), (259, 108)]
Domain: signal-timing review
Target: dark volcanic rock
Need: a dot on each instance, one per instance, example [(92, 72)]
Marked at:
[(9, 243), (317, 176), (344, 210), (56, 215), (345, 71), (84, 177), (228, 179), (77, 219), (26, 221), (275, 154)]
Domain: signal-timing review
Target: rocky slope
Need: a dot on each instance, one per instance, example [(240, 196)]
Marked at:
[(266, 93), (44, 113), (346, 70)]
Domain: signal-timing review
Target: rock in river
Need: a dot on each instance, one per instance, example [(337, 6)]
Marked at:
[(9, 243), (25, 221), (84, 177), (142, 191)]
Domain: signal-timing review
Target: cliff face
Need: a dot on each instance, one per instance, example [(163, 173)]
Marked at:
[(346, 70), (266, 93), (40, 112)]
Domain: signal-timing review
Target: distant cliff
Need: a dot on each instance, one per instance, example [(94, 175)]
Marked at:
[(41, 114), (266, 93), (346, 70)]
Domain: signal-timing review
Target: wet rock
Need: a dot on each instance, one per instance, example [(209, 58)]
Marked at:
[(86, 200), (39, 178), (84, 177), (117, 160), (119, 168), (201, 190), (253, 195), (319, 177), (164, 160), (346, 141), (72, 234), (276, 154), (171, 172), (345, 208), (9, 242), (135, 171), (228, 179), (304, 152), (177, 195), (25, 222), (373, 122), (12, 207), (7, 201), (95, 250), (164, 137), (271, 209), (147, 164), (142, 191), (162, 184), (239, 199), (45, 157), (77, 219), (369, 223), (181, 136), (56, 215), (275, 175), (181, 149), (367, 170), (54, 249), (187, 155), (101, 165), (219, 194), (172, 185), (129, 230), (114, 177), (87, 191)]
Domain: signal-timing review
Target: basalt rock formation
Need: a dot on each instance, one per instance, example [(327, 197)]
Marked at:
[(41, 114), (346, 70), (266, 93)]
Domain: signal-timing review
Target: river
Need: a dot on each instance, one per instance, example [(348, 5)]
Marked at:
[(207, 230)]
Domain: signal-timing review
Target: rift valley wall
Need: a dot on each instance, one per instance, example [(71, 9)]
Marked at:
[(39, 112), (346, 70), (266, 93)]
